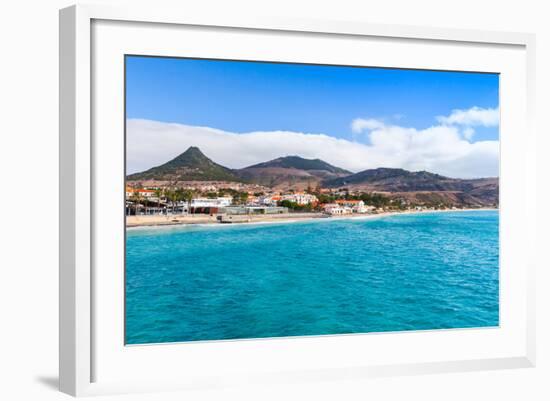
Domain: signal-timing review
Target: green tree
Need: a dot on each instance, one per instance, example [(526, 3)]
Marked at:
[(240, 198), (187, 196), (136, 196), (178, 196), (158, 194), (170, 196), (324, 198)]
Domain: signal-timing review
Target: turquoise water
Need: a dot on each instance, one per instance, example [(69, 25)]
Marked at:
[(407, 272)]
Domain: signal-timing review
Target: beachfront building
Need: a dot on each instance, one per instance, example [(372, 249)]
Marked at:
[(243, 210), (334, 209), (209, 205), (301, 198), (141, 201), (363, 209), (268, 200), (252, 199), (212, 202), (357, 206)]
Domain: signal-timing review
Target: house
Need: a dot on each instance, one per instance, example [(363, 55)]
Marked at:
[(212, 202), (301, 198), (349, 202), (268, 200), (334, 209), (252, 200), (357, 206)]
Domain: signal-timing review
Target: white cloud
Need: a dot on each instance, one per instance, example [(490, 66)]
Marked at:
[(472, 117), (439, 149), (359, 125)]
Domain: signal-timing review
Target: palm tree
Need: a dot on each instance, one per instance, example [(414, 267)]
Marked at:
[(173, 195), (145, 204), (136, 198), (178, 196), (187, 196), (173, 200), (158, 194), (168, 194), (140, 198)]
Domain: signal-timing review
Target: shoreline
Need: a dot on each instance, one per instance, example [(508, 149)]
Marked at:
[(207, 220), (190, 220)]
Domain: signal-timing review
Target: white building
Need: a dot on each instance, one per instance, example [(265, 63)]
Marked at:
[(335, 209), (362, 208), (211, 202), (357, 206), (268, 200), (301, 198)]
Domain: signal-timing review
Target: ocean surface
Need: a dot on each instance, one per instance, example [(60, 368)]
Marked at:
[(328, 276)]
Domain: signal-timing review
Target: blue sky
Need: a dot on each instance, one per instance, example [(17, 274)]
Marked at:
[(243, 113), (252, 96)]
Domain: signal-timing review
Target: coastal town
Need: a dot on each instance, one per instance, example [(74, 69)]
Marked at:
[(193, 189), (219, 202)]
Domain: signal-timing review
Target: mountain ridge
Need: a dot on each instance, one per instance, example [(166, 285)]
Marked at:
[(298, 173), (396, 180), (291, 171), (301, 163)]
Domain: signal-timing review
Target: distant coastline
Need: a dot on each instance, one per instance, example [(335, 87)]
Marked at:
[(189, 220)]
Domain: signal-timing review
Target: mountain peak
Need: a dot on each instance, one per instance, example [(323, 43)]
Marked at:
[(300, 163), (192, 155), (193, 149), (191, 165)]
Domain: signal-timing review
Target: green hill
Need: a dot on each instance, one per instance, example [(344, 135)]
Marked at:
[(191, 165)]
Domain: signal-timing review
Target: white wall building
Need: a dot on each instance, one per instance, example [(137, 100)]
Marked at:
[(212, 202), (300, 198), (335, 209), (362, 208), (357, 206), (268, 200)]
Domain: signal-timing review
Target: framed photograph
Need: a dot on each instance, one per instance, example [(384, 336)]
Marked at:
[(267, 200)]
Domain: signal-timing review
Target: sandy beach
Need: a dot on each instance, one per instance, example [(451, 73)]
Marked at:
[(163, 220)]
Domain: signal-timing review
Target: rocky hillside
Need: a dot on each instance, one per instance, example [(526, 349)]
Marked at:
[(421, 185), (291, 172)]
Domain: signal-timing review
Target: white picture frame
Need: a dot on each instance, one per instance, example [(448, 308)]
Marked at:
[(80, 217)]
